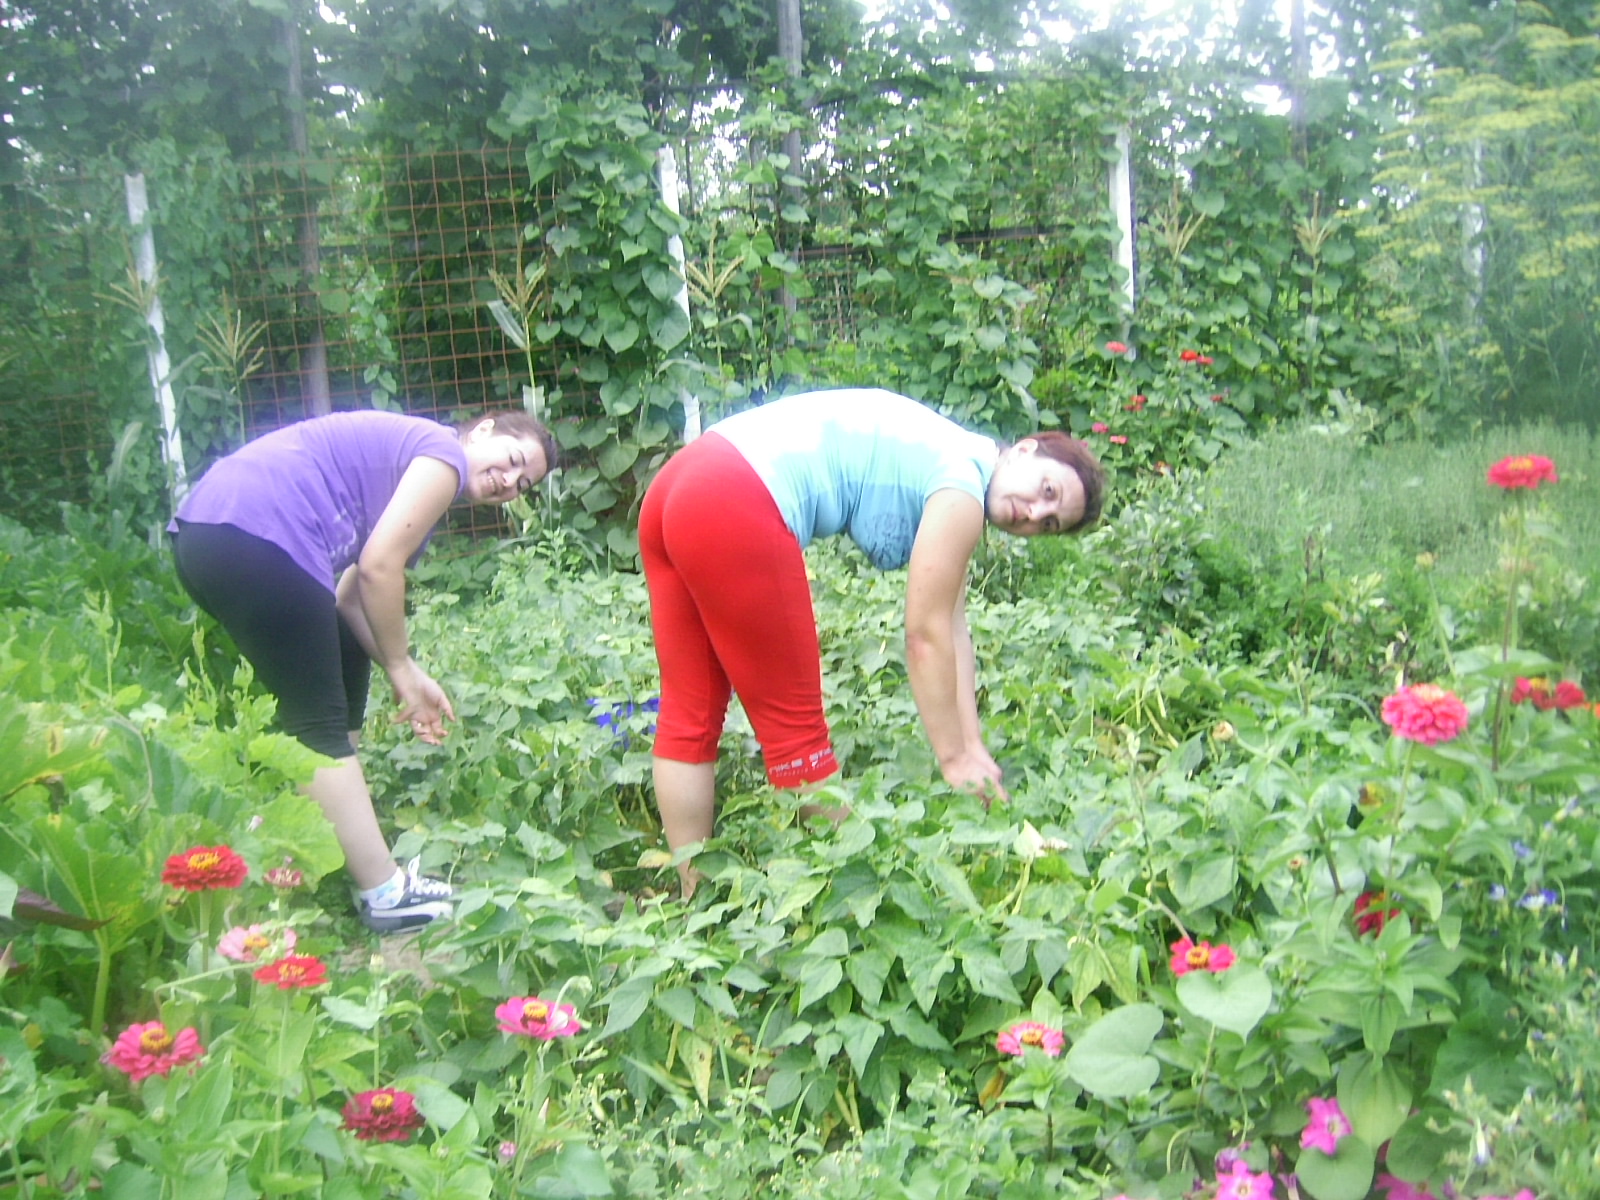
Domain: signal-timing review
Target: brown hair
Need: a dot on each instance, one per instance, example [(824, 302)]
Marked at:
[(1075, 453), (520, 424)]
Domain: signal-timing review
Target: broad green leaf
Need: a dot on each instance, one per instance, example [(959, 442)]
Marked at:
[(1235, 999), (1203, 880), (1415, 1151), (1344, 1175), (1374, 1096), (1112, 1056), (818, 979)]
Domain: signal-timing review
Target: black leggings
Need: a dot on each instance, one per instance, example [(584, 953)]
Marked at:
[(286, 624)]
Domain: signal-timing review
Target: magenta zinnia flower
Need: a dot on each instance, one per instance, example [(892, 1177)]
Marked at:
[(1241, 1184), (204, 868), (1024, 1034), (1188, 956), (1327, 1125), (382, 1115), (1523, 471), (146, 1050), (1426, 713), (532, 1017)]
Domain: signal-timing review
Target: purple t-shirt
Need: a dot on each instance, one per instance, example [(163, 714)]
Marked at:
[(316, 488)]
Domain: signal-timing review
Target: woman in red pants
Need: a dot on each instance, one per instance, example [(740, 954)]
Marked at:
[(721, 533)]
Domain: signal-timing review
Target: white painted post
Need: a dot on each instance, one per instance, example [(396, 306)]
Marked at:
[(1120, 181), (667, 166), (160, 366)]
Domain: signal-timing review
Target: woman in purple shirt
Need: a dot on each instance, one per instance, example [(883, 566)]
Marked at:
[(298, 543)]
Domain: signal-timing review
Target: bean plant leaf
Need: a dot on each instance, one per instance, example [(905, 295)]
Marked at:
[(1235, 999), (1415, 1151), (1197, 882), (1346, 1174), (1112, 1056), (1374, 1097)]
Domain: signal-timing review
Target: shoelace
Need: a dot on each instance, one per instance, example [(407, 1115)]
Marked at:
[(425, 888)]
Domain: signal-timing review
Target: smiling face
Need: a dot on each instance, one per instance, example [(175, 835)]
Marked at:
[(1031, 493), (500, 467)]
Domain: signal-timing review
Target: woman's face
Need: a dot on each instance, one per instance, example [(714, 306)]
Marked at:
[(1032, 494), (500, 467)]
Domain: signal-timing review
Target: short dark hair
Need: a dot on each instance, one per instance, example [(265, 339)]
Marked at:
[(1075, 453)]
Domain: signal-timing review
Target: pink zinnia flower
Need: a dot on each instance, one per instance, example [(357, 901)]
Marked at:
[(1327, 1125), (532, 1017), (204, 868), (1116, 348), (382, 1115), (1203, 359), (1523, 471), (1188, 956), (1118, 439), (146, 1050), (1241, 1184), (1426, 713), (1099, 427), (1524, 1194), (1399, 1189), (248, 943), (1024, 1034), (293, 971)]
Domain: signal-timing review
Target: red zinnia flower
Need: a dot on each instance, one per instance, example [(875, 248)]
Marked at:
[(1137, 403), (1188, 355), (1523, 471), (294, 971), (532, 1017), (1371, 915), (203, 868), (146, 1050), (382, 1115), (1425, 713), (1188, 956), (1116, 348)]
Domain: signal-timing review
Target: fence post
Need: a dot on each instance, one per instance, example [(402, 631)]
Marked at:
[(160, 366), (1120, 181), (667, 171)]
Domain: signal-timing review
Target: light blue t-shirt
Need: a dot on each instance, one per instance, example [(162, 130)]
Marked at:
[(861, 460)]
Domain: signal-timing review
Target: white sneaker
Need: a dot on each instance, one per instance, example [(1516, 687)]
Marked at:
[(425, 900)]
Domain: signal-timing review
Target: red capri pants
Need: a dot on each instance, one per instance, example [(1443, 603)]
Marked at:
[(731, 611)]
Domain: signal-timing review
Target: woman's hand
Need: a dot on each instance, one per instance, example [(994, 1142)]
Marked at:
[(423, 703), (975, 771)]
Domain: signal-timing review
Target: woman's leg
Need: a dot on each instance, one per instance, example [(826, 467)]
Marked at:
[(285, 623), (730, 605)]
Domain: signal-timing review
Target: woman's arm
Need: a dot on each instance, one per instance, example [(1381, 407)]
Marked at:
[(939, 655), (376, 588)]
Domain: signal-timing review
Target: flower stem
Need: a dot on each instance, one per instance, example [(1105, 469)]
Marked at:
[(1508, 634)]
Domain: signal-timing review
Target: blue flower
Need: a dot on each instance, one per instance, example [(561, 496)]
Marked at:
[(1521, 849), (609, 715), (1497, 892), (1535, 901)]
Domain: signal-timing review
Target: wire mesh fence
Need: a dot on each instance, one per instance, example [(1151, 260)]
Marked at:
[(349, 283)]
